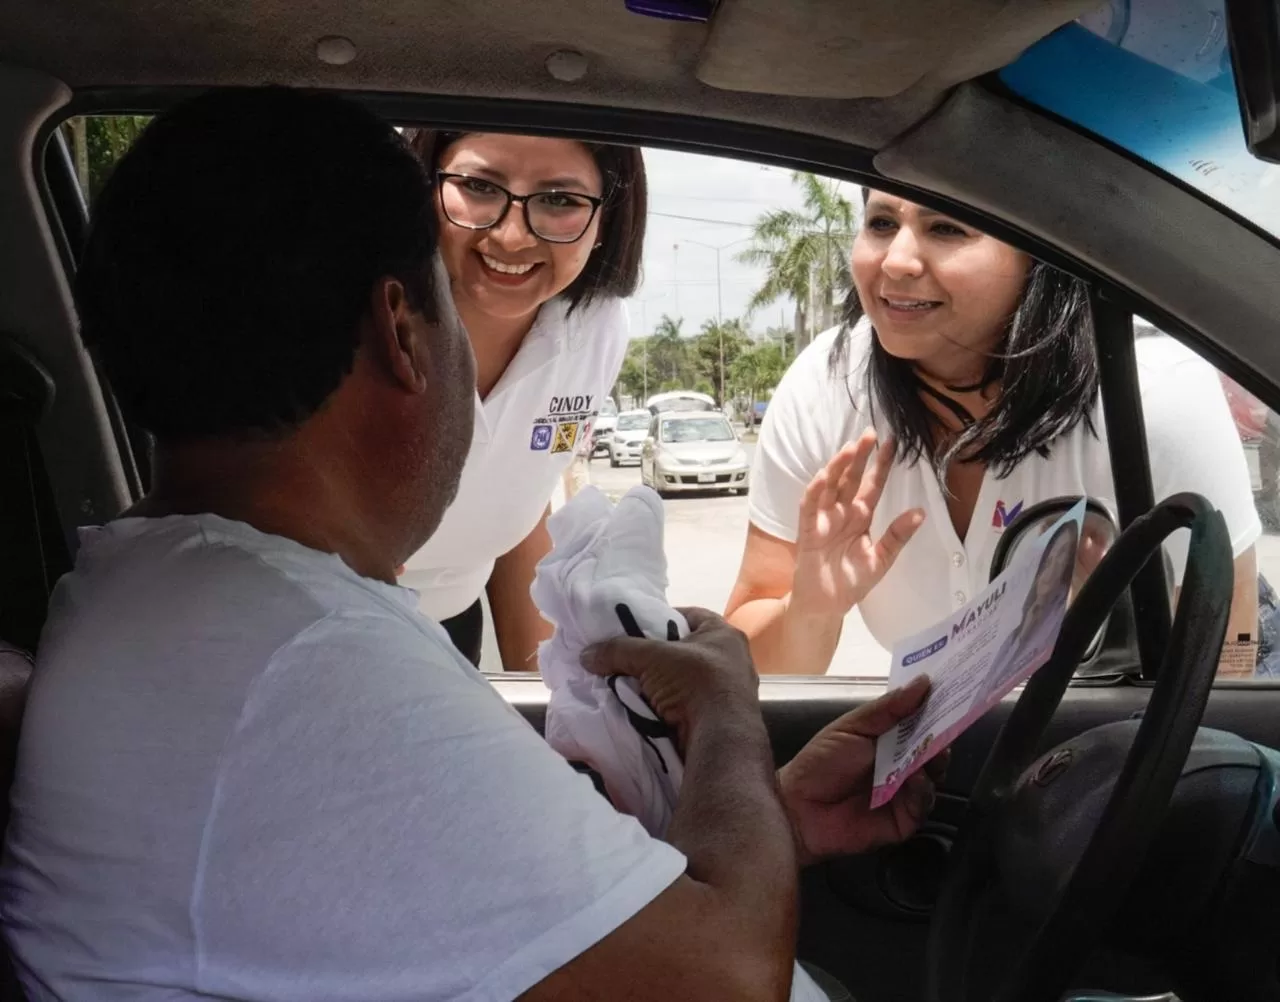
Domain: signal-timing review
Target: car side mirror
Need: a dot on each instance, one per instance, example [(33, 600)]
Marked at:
[(1099, 528)]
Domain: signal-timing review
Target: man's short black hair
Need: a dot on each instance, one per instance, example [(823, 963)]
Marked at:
[(234, 250)]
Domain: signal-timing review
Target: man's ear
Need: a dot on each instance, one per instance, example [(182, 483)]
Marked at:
[(397, 330)]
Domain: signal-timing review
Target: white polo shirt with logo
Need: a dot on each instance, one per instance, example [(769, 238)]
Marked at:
[(526, 433), (1191, 439)]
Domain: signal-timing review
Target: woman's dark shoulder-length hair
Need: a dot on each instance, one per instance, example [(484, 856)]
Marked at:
[(614, 268), (1046, 366)]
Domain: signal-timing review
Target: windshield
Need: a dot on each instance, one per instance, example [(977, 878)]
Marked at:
[(708, 429), (1155, 78), (633, 422), (681, 404), (608, 409)]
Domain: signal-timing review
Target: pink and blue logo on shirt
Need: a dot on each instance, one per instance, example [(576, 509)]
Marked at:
[(1002, 516)]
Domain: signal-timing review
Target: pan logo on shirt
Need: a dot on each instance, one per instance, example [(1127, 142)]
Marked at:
[(1002, 516), (566, 422), (566, 436), (541, 440)]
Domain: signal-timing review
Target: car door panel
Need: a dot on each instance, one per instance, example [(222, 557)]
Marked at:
[(865, 919)]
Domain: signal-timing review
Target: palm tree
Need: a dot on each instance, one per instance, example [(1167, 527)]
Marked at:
[(805, 253), (668, 352), (757, 371), (715, 349)]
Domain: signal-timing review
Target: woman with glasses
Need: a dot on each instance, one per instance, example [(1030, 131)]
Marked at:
[(542, 239)]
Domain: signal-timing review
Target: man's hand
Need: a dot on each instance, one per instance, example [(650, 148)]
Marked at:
[(827, 786), (709, 670)]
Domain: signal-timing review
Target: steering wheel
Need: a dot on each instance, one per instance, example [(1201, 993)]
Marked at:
[(1090, 855)]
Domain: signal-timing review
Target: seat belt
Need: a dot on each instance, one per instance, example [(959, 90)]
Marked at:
[(33, 549)]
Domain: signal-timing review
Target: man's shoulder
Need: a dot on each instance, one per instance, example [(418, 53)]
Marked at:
[(216, 591)]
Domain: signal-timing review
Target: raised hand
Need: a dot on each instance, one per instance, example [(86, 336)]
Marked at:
[(837, 560)]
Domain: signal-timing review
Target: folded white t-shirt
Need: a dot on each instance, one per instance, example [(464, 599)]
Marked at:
[(604, 558)]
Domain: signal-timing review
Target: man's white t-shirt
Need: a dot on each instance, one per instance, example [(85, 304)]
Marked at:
[(248, 773), (527, 431), (1192, 443)]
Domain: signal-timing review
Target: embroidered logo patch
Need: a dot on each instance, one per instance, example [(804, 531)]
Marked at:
[(1002, 516), (567, 422), (541, 440), (566, 436)]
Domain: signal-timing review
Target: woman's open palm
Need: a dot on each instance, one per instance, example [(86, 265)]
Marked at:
[(837, 560)]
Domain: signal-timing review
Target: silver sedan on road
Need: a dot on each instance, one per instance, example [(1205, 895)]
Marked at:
[(693, 451)]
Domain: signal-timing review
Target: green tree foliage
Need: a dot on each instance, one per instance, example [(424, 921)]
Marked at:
[(758, 370), (805, 254), (97, 143)]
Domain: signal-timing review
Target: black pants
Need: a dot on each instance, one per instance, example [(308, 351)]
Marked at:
[(466, 630)]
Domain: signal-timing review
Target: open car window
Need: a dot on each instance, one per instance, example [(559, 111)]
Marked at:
[(723, 312)]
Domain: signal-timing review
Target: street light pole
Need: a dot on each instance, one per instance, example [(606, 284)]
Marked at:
[(720, 322), (644, 346), (675, 275), (719, 301)]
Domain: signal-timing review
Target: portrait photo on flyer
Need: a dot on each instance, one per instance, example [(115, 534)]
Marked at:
[(979, 653)]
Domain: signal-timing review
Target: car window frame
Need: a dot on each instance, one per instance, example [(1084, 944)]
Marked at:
[(746, 142)]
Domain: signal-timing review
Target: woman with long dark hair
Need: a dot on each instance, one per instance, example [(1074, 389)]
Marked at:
[(961, 388)]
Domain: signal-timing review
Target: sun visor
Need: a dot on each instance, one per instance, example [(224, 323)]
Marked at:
[(869, 48)]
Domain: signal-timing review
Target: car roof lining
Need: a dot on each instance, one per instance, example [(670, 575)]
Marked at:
[(756, 61), (871, 49)]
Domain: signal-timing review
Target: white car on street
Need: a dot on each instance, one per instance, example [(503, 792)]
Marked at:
[(604, 425), (625, 442)]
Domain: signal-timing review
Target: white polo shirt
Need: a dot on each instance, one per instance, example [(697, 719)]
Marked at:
[(526, 433), (1192, 442)]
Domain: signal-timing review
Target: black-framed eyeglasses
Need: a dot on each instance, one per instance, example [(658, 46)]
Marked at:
[(476, 203)]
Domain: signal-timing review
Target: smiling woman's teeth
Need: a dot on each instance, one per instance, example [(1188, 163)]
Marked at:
[(910, 304), (506, 269)]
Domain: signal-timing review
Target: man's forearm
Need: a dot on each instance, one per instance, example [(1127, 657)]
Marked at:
[(785, 640), (732, 826)]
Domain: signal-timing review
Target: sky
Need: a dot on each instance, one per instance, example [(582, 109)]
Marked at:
[(697, 203)]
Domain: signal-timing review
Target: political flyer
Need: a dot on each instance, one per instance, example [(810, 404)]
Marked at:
[(978, 654)]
